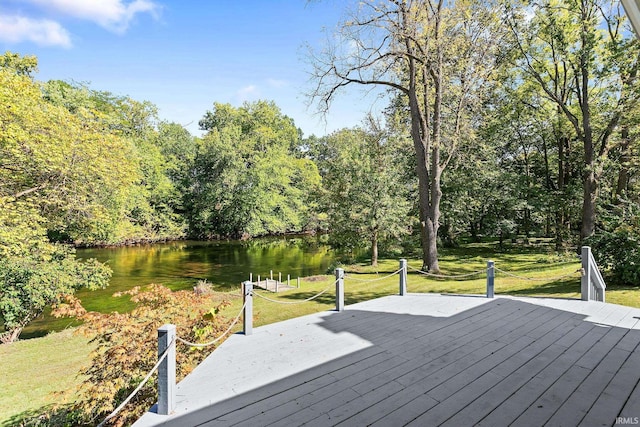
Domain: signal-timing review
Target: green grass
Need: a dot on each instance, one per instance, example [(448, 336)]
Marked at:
[(32, 369)]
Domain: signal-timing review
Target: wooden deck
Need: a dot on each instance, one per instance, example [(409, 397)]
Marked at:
[(425, 360)]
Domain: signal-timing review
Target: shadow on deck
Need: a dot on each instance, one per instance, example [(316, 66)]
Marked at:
[(434, 361)]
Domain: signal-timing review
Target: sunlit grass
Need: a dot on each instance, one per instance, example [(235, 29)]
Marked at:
[(32, 370)]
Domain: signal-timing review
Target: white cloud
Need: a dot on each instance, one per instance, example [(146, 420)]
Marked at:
[(114, 15), (44, 32), (276, 83), (248, 93)]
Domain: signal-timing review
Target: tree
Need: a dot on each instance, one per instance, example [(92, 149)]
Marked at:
[(579, 55), (438, 56), (60, 162), (35, 273), (146, 210), (247, 178), (365, 197)]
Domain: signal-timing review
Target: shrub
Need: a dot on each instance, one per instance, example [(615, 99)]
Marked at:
[(35, 273), (616, 246), (126, 349), (619, 253)]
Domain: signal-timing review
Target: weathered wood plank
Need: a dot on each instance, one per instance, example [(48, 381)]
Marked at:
[(407, 412), (544, 407), (431, 360), (632, 405), (514, 405), (576, 406), (611, 400)]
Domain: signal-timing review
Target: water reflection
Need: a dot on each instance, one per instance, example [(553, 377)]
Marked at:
[(179, 265)]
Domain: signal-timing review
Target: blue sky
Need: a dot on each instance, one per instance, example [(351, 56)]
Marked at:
[(184, 55)]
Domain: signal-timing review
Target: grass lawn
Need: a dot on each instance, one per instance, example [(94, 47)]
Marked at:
[(32, 369)]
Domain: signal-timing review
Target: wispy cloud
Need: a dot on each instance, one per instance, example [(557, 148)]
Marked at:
[(114, 15), (44, 32), (248, 93), (276, 83)]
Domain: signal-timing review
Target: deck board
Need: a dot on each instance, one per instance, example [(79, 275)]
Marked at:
[(424, 360)]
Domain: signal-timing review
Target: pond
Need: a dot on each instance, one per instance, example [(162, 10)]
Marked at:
[(180, 265)]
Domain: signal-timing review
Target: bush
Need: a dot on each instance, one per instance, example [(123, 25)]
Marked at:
[(616, 246), (126, 349), (35, 273), (619, 253)]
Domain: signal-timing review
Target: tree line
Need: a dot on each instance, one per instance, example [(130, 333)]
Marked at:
[(504, 119)]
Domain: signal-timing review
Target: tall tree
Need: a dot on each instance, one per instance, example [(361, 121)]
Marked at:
[(437, 55), (60, 162), (587, 64), (247, 179), (365, 197)]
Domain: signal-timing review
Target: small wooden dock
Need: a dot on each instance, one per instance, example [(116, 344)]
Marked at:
[(272, 285), (424, 360)]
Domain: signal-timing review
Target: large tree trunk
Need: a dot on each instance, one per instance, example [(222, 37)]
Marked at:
[(589, 181), (374, 248), (590, 194), (623, 175), (420, 134)]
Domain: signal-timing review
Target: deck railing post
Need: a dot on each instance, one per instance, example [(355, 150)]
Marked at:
[(339, 289), (585, 280), (167, 369), (491, 274), (247, 316), (403, 276)]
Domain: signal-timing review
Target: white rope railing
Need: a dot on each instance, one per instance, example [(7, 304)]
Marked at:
[(295, 302), (144, 381), (347, 276), (539, 279), (210, 343), (443, 276)]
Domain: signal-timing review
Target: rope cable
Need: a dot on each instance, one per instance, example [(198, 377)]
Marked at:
[(537, 279), (201, 345), (144, 381), (443, 276), (373, 280), (296, 302)]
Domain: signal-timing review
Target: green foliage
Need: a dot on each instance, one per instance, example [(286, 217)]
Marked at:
[(616, 248), (21, 65), (246, 178), (126, 349), (63, 162), (33, 272), (365, 196)]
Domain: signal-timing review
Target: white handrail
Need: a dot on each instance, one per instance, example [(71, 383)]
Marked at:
[(592, 286)]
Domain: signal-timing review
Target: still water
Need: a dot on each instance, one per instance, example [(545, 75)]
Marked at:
[(180, 265)]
